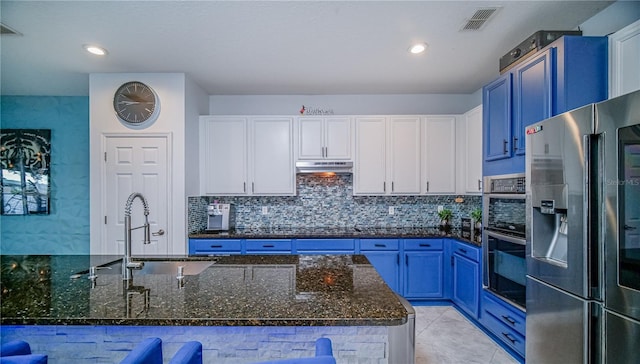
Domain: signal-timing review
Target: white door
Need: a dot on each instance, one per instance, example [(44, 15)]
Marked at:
[(338, 138), (310, 142), (405, 155), (135, 164)]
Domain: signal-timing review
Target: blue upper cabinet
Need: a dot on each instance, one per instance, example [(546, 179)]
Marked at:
[(496, 101), (532, 95), (568, 73)]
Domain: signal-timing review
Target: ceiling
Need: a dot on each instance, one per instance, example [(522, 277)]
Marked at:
[(272, 47)]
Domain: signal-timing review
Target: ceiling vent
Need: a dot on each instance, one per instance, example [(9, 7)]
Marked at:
[(479, 19), (5, 30)]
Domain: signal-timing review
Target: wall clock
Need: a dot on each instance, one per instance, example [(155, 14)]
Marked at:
[(136, 104)]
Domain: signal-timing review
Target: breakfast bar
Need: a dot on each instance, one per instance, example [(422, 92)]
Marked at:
[(243, 308)]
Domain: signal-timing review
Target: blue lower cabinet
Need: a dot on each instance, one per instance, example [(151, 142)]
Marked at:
[(466, 284), (505, 321), (268, 246), (215, 246), (423, 269), (384, 255)]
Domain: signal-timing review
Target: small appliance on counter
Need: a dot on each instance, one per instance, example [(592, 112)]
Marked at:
[(467, 230), (221, 216)]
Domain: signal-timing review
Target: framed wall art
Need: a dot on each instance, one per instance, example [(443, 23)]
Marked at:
[(25, 159)]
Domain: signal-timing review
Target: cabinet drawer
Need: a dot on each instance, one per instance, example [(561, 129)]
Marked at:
[(509, 317), (466, 250), (423, 244), (505, 333), (213, 246), (347, 245), (378, 244), (269, 245)]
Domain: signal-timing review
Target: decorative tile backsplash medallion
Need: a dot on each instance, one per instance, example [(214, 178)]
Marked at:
[(329, 202)]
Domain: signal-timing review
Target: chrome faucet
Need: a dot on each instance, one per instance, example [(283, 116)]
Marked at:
[(127, 264)]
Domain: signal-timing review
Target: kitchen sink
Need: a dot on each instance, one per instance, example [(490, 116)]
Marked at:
[(189, 268)]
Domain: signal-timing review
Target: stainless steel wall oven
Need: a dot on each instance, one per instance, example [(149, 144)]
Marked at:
[(503, 237)]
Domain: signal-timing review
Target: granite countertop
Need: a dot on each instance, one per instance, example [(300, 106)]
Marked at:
[(333, 232), (248, 290)]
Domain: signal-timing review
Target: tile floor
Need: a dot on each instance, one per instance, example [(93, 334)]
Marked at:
[(444, 336)]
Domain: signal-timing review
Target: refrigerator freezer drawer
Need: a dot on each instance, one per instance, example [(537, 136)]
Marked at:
[(621, 338), (561, 328)]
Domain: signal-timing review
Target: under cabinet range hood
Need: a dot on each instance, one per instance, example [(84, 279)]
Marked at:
[(338, 167)]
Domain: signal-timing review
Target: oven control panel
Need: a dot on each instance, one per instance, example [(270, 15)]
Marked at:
[(507, 185)]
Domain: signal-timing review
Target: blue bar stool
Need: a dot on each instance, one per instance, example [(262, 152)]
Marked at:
[(324, 355), (149, 351), (189, 353), (19, 352)]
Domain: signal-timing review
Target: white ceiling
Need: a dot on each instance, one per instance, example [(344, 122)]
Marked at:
[(271, 47)]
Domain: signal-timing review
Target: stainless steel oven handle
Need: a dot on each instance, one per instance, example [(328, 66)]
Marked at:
[(504, 237)]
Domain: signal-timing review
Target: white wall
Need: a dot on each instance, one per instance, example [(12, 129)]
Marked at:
[(343, 104), (170, 88), (613, 18)]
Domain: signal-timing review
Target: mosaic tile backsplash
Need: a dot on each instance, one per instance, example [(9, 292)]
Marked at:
[(329, 202)]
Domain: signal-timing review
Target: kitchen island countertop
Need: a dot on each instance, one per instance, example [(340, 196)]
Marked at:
[(251, 290)]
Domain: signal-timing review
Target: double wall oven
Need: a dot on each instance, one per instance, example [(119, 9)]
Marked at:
[(503, 237)]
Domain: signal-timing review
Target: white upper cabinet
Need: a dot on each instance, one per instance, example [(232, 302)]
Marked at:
[(387, 159), (471, 150), (370, 160), (324, 137), (223, 148), (624, 58), (247, 155), (439, 156), (404, 155)]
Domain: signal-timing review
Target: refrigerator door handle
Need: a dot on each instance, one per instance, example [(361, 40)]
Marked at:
[(628, 227)]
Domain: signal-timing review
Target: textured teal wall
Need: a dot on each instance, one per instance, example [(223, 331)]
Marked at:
[(66, 229)]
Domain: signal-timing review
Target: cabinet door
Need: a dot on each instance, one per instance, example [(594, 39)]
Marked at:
[(473, 153), (424, 274), (388, 266), (224, 155), (466, 284), (404, 155), (337, 138), (496, 114), (440, 155), (532, 95), (272, 156), (370, 167), (310, 138)]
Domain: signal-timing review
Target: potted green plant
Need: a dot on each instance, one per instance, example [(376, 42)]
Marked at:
[(445, 216), (476, 216)]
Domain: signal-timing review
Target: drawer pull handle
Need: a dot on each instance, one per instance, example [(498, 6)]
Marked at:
[(268, 246), (464, 251), (509, 337), (380, 245), (216, 246), (425, 245), (509, 320)]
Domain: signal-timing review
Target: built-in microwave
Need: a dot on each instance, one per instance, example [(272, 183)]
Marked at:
[(503, 237)]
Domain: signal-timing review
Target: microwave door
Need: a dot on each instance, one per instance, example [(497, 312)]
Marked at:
[(558, 161)]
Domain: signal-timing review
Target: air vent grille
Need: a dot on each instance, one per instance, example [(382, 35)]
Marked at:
[(479, 19), (5, 30)]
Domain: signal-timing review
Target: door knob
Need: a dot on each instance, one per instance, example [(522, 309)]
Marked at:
[(158, 233)]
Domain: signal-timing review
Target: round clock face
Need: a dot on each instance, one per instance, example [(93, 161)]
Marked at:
[(136, 103)]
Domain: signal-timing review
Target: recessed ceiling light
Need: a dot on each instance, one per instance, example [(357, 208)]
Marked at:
[(95, 50), (418, 48)]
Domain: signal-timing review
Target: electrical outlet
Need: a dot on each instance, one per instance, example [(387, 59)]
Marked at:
[(392, 210), (440, 208), (265, 210)]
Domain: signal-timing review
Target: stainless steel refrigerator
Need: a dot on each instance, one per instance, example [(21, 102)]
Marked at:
[(583, 235)]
